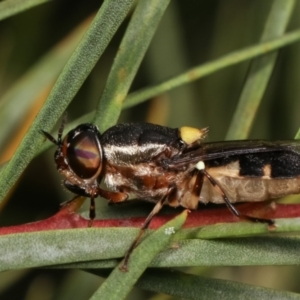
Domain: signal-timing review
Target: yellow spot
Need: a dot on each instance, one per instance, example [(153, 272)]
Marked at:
[(267, 170), (191, 135)]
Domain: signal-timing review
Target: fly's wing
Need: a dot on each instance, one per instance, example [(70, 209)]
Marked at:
[(221, 149), (218, 150)]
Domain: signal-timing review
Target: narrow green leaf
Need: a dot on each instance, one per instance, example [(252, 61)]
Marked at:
[(187, 286), (211, 67), (134, 45), (48, 248), (12, 7), (22, 95), (239, 229), (232, 252), (100, 247), (255, 251), (72, 77), (259, 73), (119, 284)]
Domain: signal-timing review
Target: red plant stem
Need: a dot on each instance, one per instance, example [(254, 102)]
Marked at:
[(67, 217)]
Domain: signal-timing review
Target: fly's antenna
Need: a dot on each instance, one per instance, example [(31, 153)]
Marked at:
[(50, 137), (61, 128), (60, 132)]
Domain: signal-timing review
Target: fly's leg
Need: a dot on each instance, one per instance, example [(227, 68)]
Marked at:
[(92, 194), (92, 213), (230, 205), (111, 196), (195, 186), (170, 193), (198, 185)]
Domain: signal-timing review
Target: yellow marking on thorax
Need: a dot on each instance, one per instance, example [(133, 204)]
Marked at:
[(191, 135)]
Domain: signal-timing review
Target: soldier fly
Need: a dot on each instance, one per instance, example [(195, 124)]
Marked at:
[(172, 167)]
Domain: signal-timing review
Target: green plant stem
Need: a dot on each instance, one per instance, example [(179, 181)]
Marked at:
[(12, 7), (211, 67), (102, 29), (188, 286), (119, 284), (134, 45), (260, 72)]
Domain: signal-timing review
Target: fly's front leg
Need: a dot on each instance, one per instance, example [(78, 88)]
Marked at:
[(92, 213), (170, 193), (111, 196), (93, 193)]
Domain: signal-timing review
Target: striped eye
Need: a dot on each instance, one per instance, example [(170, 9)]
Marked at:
[(83, 152)]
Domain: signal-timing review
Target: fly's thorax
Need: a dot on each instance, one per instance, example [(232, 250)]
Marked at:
[(135, 156), (132, 144)]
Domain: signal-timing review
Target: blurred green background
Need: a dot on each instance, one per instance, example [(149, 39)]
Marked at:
[(191, 33)]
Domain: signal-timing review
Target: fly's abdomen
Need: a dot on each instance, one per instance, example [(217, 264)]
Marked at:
[(254, 177), (246, 189)]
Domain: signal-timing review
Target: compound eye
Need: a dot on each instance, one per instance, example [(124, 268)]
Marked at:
[(84, 154)]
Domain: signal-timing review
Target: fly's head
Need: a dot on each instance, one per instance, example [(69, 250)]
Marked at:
[(79, 157)]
